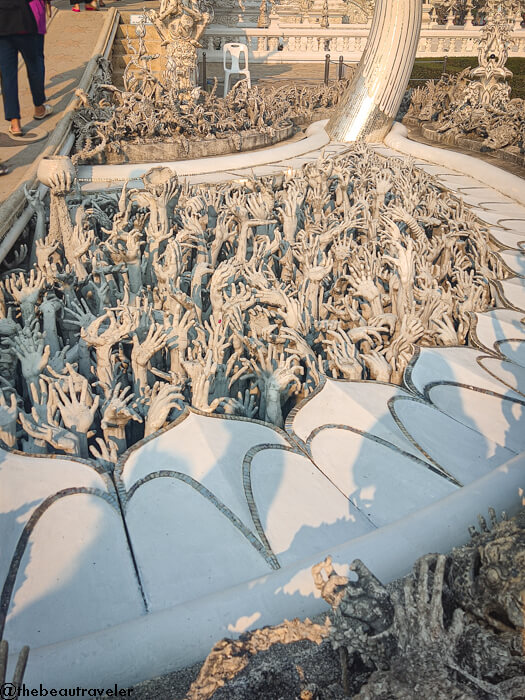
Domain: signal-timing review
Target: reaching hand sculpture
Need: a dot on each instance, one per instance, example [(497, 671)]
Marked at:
[(32, 352), (277, 378), (119, 327), (119, 408), (149, 108), (235, 299), (76, 412), (163, 399), (8, 416), (142, 352), (26, 293)]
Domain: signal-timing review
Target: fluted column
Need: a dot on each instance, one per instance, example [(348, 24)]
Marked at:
[(372, 100)]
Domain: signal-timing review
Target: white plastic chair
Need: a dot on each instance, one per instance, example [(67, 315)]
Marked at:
[(234, 52)]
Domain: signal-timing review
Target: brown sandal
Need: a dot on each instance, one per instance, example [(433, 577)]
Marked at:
[(16, 134)]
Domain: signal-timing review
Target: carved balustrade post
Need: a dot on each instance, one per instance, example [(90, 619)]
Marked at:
[(427, 14), (469, 16)]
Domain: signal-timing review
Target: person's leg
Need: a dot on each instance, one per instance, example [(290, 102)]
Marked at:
[(9, 71), (31, 46), (41, 112), (40, 46)]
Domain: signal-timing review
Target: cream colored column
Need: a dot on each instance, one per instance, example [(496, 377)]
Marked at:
[(372, 100)]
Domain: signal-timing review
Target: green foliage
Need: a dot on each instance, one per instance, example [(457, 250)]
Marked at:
[(432, 70)]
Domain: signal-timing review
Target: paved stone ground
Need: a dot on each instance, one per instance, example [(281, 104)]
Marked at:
[(264, 73), (69, 44)]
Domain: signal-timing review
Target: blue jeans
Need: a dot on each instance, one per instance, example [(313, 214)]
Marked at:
[(31, 46)]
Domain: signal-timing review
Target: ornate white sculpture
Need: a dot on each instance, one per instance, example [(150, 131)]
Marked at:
[(490, 86), (481, 106), (180, 25), (319, 11)]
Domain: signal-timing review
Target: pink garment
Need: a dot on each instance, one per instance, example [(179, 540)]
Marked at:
[(38, 8)]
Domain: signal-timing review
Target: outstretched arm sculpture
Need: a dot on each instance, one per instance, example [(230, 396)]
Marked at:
[(235, 300), (374, 96)]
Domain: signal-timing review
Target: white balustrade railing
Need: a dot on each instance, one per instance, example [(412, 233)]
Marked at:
[(300, 43)]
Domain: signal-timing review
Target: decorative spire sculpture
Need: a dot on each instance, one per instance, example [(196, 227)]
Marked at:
[(262, 19), (469, 16), (325, 23), (304, 7), (489, 86), (180, 27)]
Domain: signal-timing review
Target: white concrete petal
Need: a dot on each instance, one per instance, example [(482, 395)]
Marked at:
[(473, 197), (382, 482), (72, 573), (489, 217), (26, 482), (514, 291), (509, 239), (454, 181), (510, 211), (489, 195), (257, 171), (461, 365), (210, 450), (76, 575), (513, 350), (360, 405), (210, 178), (437, 170), (497, 418), (464, 454), (300, 509), (297, 163), (499, 325), (185, 546), (386, 152), (514, 260), (509, 374), (513, 224), (335, 148)]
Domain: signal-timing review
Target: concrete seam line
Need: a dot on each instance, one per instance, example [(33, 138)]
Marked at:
[(504, 182), (12, 206)]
